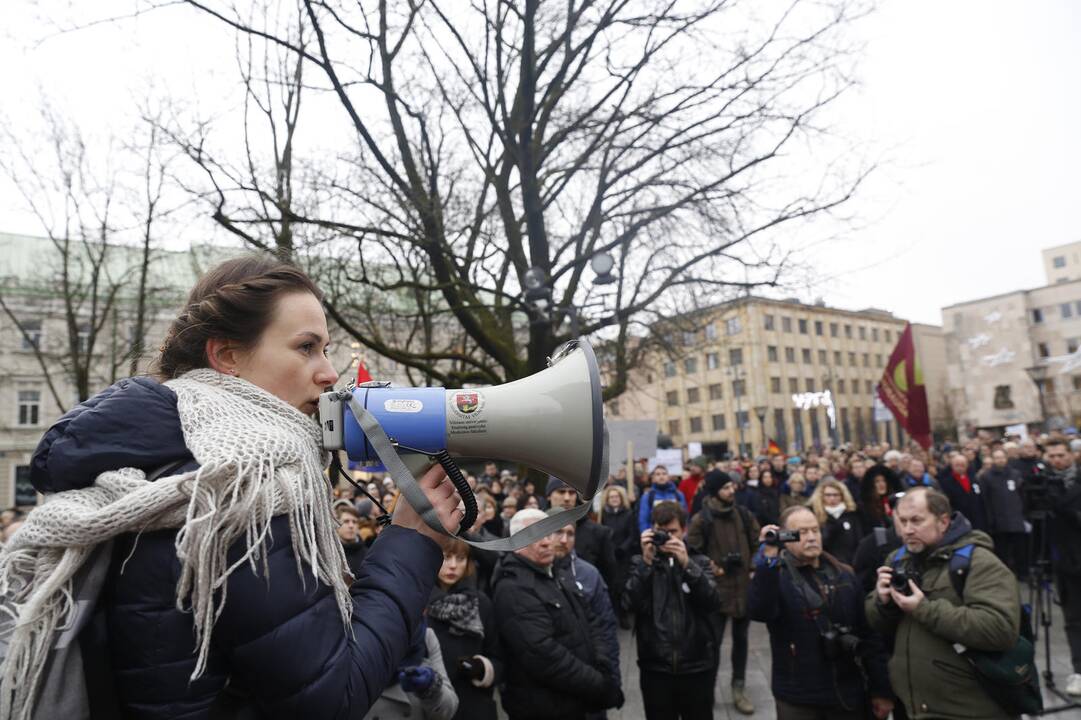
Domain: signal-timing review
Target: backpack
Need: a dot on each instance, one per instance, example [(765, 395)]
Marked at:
[(1009, 677)]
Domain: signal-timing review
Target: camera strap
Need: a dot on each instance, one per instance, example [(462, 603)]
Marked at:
[(403, 478)]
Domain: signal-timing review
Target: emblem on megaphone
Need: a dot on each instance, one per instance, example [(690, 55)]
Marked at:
[(552, 421)]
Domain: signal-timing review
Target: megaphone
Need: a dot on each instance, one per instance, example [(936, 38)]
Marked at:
[(552, 421)]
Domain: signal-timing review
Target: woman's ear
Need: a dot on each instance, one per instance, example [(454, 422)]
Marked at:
[(223, 356)]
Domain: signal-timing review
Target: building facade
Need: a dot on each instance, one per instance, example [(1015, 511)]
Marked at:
[(1009, 356), (756, 369)]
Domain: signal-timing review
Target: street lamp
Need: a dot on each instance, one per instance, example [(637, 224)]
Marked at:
[(760, 411), (602, 264), (736, 373), (1038, 374)]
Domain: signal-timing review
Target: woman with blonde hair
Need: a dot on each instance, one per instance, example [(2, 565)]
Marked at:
[(842, 527)]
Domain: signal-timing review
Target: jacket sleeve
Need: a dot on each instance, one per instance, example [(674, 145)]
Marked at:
[(636, 589), (607, 629), (875, 656), (764, 598), (492, 648), (695, 535), (989, 618), (704, 595), (645, 507), (286, 642), (526, 630), (443, 702)]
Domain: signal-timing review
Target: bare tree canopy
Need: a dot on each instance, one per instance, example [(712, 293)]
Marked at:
[(494, 138)]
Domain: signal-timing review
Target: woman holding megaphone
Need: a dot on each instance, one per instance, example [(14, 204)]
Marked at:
[(185, 562)]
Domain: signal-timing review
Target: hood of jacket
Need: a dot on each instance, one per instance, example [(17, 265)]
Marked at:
[(960, 533), (133, 423)]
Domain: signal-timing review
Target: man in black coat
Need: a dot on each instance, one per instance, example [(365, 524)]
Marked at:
[(964, 491), (674, 599), (593, 541), (555, 666), (1004, 505), (1063, 483)]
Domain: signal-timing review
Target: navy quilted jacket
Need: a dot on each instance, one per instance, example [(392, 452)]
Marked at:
[(279, 649)]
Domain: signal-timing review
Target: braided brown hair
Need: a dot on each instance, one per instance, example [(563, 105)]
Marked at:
[(235, 300)]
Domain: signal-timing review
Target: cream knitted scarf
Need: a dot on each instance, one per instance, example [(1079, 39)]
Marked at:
[(259, 458)]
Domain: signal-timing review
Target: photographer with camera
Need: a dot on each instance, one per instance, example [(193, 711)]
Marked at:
[(675, 601), (827, 664), (920, 602), (1060, 488), (727, 534)]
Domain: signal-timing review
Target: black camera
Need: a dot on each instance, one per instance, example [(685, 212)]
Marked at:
[(780, 537), (660, 537), (731, 562), (899, 579), (840, 641)]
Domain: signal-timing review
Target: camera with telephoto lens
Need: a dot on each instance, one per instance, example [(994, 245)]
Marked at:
[(780, 537), (899, 579), (840, 641), (1038, 492), (660, 537), (731, 562)]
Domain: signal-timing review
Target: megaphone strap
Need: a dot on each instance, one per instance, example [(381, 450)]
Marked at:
[(407, 484)]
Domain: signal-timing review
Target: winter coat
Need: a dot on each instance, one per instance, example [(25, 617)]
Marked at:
[(652, 496), (841, 536), (969, 504), (459, 638), (871, 554), (1064, 529), (437, 703), (715, 532), (594, 544), (555, 667), (764, 502), (675, 610), (279, 642), (925, 480), (802, 675), (624, 527), (928, 675), (582, 577), (484, 560), (1003, 500), (1025, 467), (355, 553)]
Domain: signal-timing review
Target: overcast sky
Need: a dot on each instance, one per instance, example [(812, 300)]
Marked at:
[(974, 107)]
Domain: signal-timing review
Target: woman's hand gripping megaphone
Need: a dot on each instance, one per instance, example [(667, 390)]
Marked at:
[(445, 501)]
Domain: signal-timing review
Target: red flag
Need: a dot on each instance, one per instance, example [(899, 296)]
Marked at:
[(362, 373), (901, 389), (773, 448)]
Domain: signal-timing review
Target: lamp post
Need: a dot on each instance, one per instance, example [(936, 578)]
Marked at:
[(736, 373), (1038, 374), (537, 291), (760, 411)]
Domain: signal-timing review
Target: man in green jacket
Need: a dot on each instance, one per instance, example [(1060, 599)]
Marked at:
[(928, 618)]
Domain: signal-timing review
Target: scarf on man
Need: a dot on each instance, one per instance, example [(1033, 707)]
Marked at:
[(259, 458)]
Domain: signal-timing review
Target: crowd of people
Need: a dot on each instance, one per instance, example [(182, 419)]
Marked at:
[(683, 559)]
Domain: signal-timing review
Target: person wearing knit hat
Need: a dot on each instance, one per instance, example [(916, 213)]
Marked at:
[(594, 542)]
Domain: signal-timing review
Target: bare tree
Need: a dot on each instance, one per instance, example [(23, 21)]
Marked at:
[(509, 142)]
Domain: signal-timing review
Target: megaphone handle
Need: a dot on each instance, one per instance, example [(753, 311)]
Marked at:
[(419, 463)]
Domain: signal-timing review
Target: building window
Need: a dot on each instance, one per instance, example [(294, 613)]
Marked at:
[(696, 424), (802, 326), (1002, 398), (673, 427), (848, 331), (837, 358), (1077, 308), (841, 386), (889, 334), (1048, 386), (732, 326), (771, 353), (867, 387), (846, 434), (31, 335), (805, 353), (874, 334), (669, 369), (743, 419), (767, 322), (613, 407), (1071, 345), (1067, 310), (786, 323), (852, 359), (1043, 350), (818, 328), (1037, 315), (775, 384), (1059, 261), (689, 337), (793, 385), (715, 391), (863, 332), (672, 398), (878, 359), (82, 339), (690, 365), (779, 429), (693, 395), (718, 421), (29, 407), (822, 357), (711, 332), (790, 354), (1077, 382), (866, 359), (713, 361), (739, 388), (735, 356), (797, 427), (810, 384), (833, 329)]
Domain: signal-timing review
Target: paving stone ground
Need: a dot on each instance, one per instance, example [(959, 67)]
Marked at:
[(758, 671)]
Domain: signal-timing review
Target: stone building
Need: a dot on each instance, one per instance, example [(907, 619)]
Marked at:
[(754, 368)]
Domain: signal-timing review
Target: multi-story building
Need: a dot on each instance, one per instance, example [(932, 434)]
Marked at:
[(755, 368), (1007, 355)]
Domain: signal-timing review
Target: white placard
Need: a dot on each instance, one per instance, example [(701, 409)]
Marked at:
[(882, 413), (672, 459), (694, 449), (1020, 429)]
